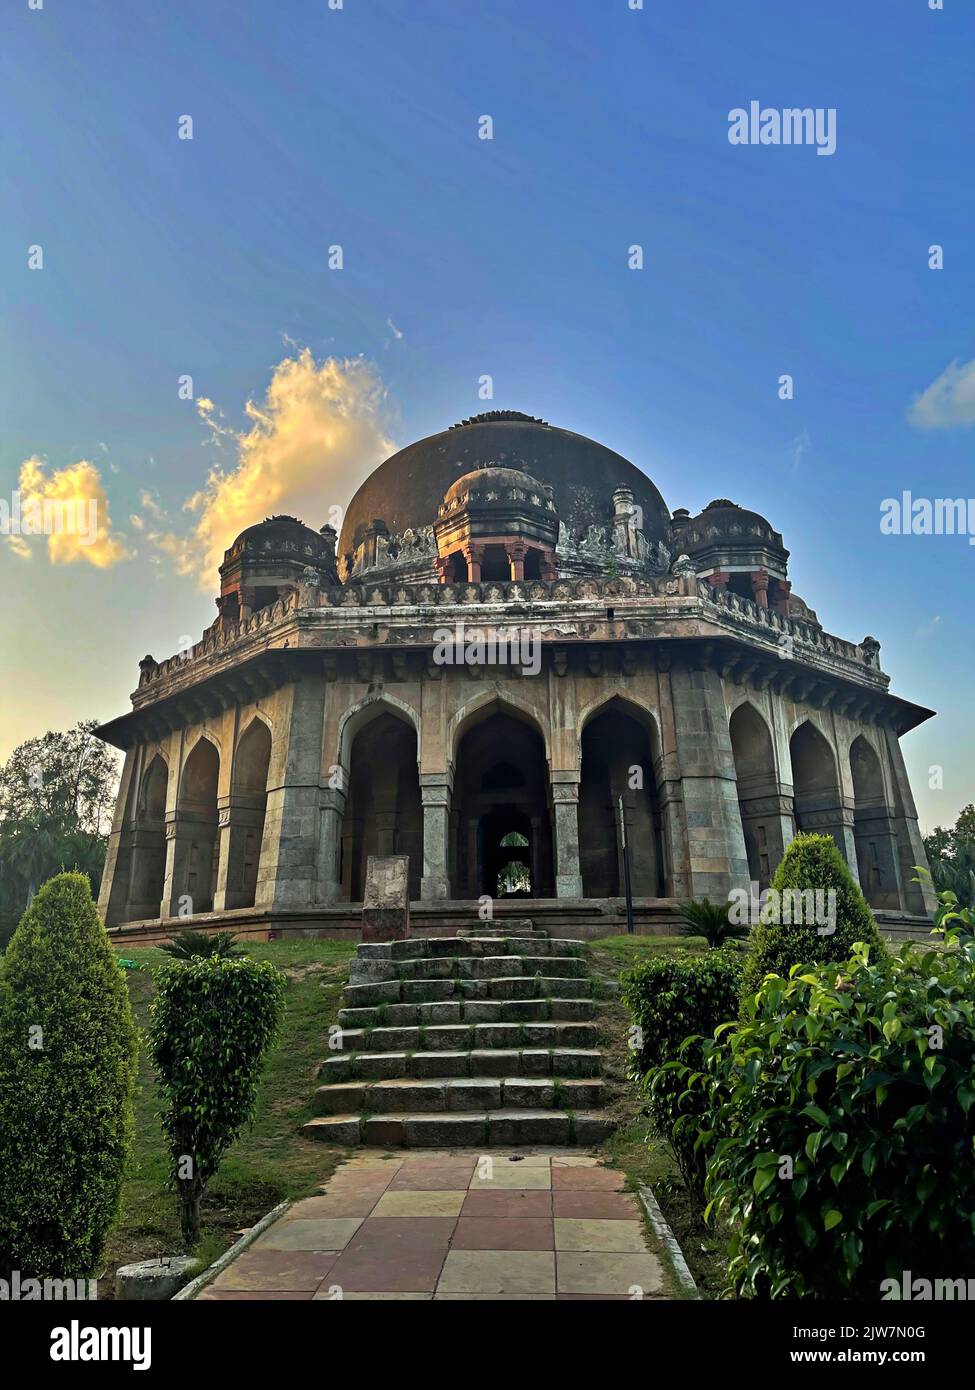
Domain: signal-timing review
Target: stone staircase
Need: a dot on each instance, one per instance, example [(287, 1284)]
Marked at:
[(487, 1037)]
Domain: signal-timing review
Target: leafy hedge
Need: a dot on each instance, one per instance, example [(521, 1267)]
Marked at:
[(212, 1020), (676, 1005), (844, 1105), (67, 1071), (811, 862)]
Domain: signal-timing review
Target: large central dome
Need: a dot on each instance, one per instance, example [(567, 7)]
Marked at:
[(408, 489)]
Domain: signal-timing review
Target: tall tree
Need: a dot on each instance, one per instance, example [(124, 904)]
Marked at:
[(951, 854)]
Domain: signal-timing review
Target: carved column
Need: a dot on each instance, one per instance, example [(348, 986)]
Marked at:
[(719, 580), (474, 555), (331, 814), (515, 552), (435, 796), (565, 810), (760, 581)]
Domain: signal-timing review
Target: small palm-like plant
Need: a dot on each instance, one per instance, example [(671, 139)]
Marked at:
[(711, 920), (202, 943)]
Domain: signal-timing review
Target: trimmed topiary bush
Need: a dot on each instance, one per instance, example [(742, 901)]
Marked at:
[(213, 1020), (676, 1005), (811, 864), (67, 1071), (844, 1104)]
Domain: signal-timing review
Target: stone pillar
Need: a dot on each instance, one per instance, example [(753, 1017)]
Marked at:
[(435, 795), (241, 822), (516, 559), (716, 842), (565, 811), (916, 897), (331, 814), (190, 847), (474, 554), (547, 566), (288, 875), (719, 580), (113, 897), (760, 581), (782, 591)]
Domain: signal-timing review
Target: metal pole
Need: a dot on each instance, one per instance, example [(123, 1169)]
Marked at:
[(626, 870)]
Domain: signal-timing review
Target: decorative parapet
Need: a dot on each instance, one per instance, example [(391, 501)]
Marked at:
[(584, 609)]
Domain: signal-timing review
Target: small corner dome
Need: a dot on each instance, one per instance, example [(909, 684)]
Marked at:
[(727, 522)]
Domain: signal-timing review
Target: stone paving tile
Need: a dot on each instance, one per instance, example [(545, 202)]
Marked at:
[(324, 1295), (502, 1177), (509, 1202), (621, 1237), (504, 1233), (388, 1254), (496, 1297), (587, 1180), (574, 1161), (309, 1235), (439, 1179), (498, 1271), (339, 1204), (212, 1295), (602, 1273), (595, 1206), (418, 1204), (269, 1271)]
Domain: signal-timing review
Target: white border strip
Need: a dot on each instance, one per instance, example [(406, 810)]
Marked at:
[(207, 1277), (666, 1236)]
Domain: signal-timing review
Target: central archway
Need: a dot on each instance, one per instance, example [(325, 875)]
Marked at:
[(500, 812)]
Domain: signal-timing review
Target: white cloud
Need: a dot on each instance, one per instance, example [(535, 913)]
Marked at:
[(76, 521), (949, 402), (315, 436)]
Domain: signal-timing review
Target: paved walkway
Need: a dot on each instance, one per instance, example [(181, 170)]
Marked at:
[(456, 1225)]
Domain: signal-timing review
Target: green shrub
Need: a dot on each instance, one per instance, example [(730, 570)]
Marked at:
[(203, 943), (702, 917), (67, 1071), (811, 862), (212, 1021), (843, 1102), (676, 1004)]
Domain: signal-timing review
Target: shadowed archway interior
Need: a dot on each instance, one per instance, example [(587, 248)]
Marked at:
[(617, 760), (383, 813), (501, 798)]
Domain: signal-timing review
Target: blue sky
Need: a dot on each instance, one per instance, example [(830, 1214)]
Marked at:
[(508, 257)]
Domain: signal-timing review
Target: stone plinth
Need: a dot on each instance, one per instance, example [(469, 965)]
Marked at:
[(386, 901)]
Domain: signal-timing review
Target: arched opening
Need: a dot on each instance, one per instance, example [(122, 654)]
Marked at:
[(500, 814), (533, 563), (456, 568), (196, 813), (818, 805), (759, 800), (873, 829), (617, 760), (149, 843), (247, 811), (383, 812)]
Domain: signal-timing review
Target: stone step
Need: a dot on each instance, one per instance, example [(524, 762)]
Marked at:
[(469, 1011), (459, 1094), (367, 970), (444, 947), (489, 1061), (428, 991), (504, 1127), (456, 1037)]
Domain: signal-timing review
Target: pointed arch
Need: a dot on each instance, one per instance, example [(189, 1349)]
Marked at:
[(487, 703), (244, 831), (363, 712), (196, 824), (147, 871), (383, 813), (873, 828), (758, 791), (618, 754)]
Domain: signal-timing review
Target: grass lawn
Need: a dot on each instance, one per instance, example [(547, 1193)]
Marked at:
[(271, 1160)]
